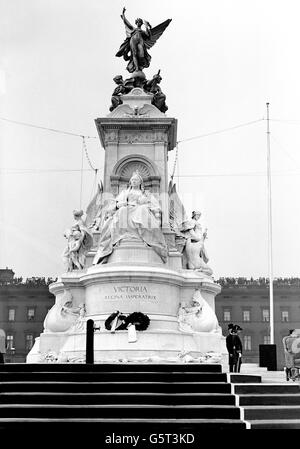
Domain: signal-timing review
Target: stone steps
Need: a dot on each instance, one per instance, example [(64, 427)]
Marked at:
[(117, 411), (124, 426), (119, 397), (165, 397), (269, 405), (114, 376), (272, 399), (271, 412), (94, 387), (110, 367), (261, 388), (283, 424)]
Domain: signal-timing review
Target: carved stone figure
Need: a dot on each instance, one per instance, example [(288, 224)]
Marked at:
[(197, 317), (63, 315), (189, 237), (159, 98), (79, 324), (135, 47), (135, 215), (122, 88), (195, 251), (80, 240)]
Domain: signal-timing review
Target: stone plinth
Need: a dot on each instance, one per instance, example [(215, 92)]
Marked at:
[(136, 136), (163, 345), (134, 252), (154, 290)]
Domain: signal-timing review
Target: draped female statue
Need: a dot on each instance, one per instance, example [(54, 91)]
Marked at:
[(195, 251), (135, 215), (80, 241)]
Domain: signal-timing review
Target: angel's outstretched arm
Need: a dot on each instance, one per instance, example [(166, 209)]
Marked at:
[(128, 24)]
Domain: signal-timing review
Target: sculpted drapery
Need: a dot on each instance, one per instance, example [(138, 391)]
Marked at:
[(195, 251), (135, 216)]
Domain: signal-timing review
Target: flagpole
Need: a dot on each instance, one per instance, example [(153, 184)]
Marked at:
[(270, 237)]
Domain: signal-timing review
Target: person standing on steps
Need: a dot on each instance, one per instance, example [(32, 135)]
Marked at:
[(2, 345), (234, 347), (289, 356)]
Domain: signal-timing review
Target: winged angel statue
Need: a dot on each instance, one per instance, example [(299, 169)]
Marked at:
[(138, 41)]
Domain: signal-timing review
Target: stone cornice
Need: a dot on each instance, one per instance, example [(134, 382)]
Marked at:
[(98, 274), (167, 125)]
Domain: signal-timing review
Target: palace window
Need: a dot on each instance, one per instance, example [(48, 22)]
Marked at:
[(247, 342), (11, 314), (28, 341), (30, 313), (284, 315), (267, 339), (9, 342), (246, 315), (227, 315), (266, 315)]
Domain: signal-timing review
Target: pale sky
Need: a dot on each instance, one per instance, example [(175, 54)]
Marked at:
[(221, 61)]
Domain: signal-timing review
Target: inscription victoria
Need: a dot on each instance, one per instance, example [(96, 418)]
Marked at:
[(130, 292)]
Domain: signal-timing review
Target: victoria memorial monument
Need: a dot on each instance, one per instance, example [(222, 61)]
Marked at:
[(135, 263)]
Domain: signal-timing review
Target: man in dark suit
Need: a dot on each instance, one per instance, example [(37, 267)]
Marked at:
[(234, 347), (2, 345), (116, 322)]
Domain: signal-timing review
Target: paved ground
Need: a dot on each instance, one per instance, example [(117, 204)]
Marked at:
[(266, 376)]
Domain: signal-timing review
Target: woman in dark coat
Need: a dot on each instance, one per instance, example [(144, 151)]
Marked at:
[(234, 347)]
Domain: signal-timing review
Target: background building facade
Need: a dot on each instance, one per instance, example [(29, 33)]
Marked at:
[(246, 302), (23, 307), (25, 303)]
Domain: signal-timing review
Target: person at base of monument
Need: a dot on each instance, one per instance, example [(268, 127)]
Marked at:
[(136, 216), (116, 322), (119, 322), (234, 347), (2, 345), (290, 354)]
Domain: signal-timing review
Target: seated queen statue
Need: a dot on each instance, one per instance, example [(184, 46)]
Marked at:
[(135, 215)]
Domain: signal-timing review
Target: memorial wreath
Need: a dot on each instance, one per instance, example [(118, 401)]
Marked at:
[(139, 319)]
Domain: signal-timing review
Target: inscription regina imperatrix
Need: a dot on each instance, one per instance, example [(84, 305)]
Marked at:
[(130, 292)]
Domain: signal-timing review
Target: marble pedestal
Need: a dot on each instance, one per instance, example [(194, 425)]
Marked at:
[(141, 284), (135, 136)]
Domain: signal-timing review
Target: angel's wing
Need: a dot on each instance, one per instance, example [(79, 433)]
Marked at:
[(177, 211), (156, 32), (94, 207)]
